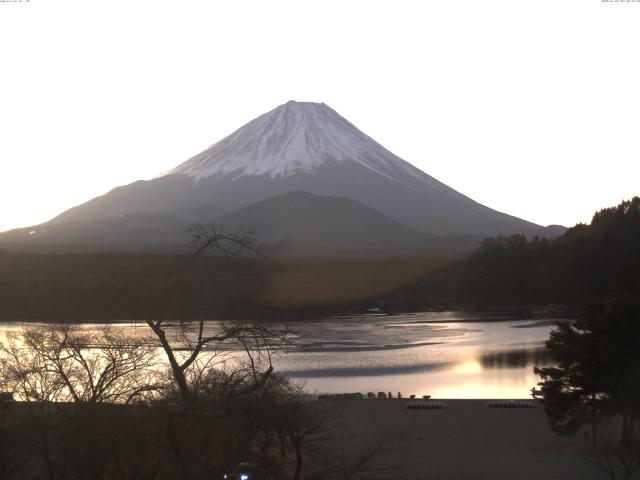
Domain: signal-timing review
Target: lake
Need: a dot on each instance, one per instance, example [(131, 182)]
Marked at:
[(442, 354)]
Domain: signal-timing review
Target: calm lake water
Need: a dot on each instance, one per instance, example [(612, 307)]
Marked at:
[(443, 354)]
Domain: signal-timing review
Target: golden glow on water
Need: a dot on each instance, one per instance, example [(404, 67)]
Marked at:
[(512, 383), (491, 360), (469, 367), (453, 383)]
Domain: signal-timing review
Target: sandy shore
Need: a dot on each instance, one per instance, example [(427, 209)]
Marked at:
[(466, 441)]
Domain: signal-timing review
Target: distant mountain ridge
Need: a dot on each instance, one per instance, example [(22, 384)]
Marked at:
[(301, 222), (297, 147)]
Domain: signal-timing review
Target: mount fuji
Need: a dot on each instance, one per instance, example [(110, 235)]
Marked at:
[(300, 147)]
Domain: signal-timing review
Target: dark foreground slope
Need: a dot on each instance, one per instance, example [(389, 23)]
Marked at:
[(467, 441), (582, 265)]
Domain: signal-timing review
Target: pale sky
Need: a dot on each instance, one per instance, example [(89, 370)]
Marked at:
[(529, 107)]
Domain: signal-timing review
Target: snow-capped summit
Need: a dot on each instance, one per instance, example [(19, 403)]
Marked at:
[(292, 138)]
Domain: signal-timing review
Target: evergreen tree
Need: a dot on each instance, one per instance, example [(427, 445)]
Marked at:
[(574, 390), (597, 371)]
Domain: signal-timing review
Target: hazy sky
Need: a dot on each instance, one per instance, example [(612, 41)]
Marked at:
[(529, 107)]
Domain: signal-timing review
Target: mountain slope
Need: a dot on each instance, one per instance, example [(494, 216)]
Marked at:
[(303, 223), (309, 147), (291, 224), (128, 233)]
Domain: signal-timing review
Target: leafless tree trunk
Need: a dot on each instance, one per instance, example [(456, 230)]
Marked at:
[(617, 456), (617, 461), (206, 240), (205, 360)]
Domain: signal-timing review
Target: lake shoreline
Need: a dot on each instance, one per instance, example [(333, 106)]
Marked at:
[(498, 313), (454, 354)]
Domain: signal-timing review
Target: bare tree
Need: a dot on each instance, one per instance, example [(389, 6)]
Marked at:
[(25, 375), (616, 459), (182, 358), (49, 366), (345, 457), (193, 355), (307, 425), (214, 365), (61, 363), (314, 432)]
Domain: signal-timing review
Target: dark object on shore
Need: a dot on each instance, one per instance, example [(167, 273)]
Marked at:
[(536, 393), (511, 404), (426, 397), (6, 397), (342, 396), (412, 397), (426, 405), (399, 395)]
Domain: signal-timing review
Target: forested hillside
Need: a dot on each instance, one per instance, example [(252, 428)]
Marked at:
[(582, 265)]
